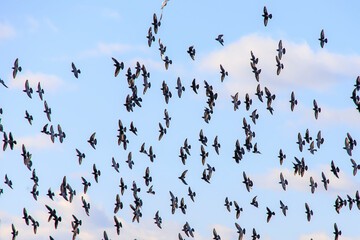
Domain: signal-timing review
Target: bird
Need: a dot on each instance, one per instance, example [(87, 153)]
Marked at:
[(293, 101), (162, 131), (86, 184), (150, 37), (158, 220), (228, 204), (238, 209), (247, 102), (223, 73), (319, 140), (313, 185), (96, 173), (8, 181), (118, 204), (259, 93), (75, 70), (117, 225), (281, 156), (61, 134), (300, 142), (16, 68), (180, 88), (308, 212), (266, 16), (316, 109), (307, 136), (216, 145), (182, 177), (122, 186), (92, 141), (279, 65), (334, 169), (283, 208), (114, 164), (191, 194), (322, 38), (28, 90), (254, 116), (254, 202), (324, 180), (132, 128), (216, 236), (14, 232), (118, 66), (191, 52), (281, 50), (248, 183), (28, 117), (155, 23), (355, 166), (80, 156), (202, 138), (147, 177), (3, 83), (194, 86), (240, 231), (269, 214), (129, 161), (283, 182), (40, 91), (47, 111), (220, 39), (236, 101), (50, 194), (337, 233), (86, 206)]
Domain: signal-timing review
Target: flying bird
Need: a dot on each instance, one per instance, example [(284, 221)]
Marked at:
[(75, 70), (322, 38), (266, 16), (16, 68), (118, 66), (220, 39)]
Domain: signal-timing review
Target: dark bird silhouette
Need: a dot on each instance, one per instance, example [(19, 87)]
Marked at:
[(266, 16), (147, 177), (216, 145), (28, 117), (281, 50), (180, 88), (8, 181), (202, 138), (28, 90), (240, 231), (156, 23), (150, 37), (118, 66), (322, 38), (50, 194), (122, 186), (162, 131), (96, 173), (216, 236), (283, 182), (80, 155), (191, 52), (334, 169), (194, 86), (238, 209), (223, 73), (191, 194), (158, 220), (16, 68), (167, 118), (316, 109), (319, 139), (86, 184), (86, 206), (117, 225), (220, 39), (279, 65), (132, 128), (92, 140), (14, 232), (259, 93), (3, 83), (115, 164), (281, 156), (75, 70), (182, 177), (129, 161), (337, 233), (308, 212), (248, 183), (324, 180), (47, 111), (293, 101), (283, 208), (40, 91), (228, 204), (118, 204), (235, 100), (269, 214)]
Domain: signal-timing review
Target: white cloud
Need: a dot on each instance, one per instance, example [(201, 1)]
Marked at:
[(303, 67), (49, 82), (6, 31), (39, 141)]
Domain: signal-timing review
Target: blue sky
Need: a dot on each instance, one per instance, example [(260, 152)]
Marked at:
[(48, 37)]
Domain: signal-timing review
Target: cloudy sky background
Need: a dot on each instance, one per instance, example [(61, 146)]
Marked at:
[(47, 37)]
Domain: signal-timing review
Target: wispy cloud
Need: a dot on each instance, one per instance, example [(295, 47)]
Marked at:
[(33, 24), (108, 49), (39, 141), (49, 82), (6, 31), (110, 13), (303, 67)]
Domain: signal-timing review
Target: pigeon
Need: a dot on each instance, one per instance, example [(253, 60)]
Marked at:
[(194, 86), (279, 65), (283, 182), (216, 145), (281, 50), (220, 39), (182, 177), (216, 236), (16, 68), (147, 177), (293, 101), (129, 161), (322, 38), (47, 111), (223, 73), (259, 93), (180, 88), (281, 156), (114, 164), (155, 23), (158, 220), (316, 109), (92, 140), (240, 231), (237, 209), (118, 204), (227, 204), (334, 169), (75, 70), (122, 186), (40, 91), (86, 184), (118, 66), (324, 180), (28, 117), (14, 232), (80, 155), (337, 233), (191, 194), (191, 52), (254, 202), (236, 101), (269, 214), (150, 37), (28, 90), (96, 173), (117, 225), (3, 83), (308, 212), (266, 16), (313, 185), (162, 131), (283, 208)]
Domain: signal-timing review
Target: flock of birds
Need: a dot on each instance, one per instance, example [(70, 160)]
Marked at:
[(133, 100)]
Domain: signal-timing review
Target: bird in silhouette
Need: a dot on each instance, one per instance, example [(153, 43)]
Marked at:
[(266, 16), (194, 86), (283, 208), (96, 173), (80, 156), (150, 37), (337, 233), (308, 212), (293, 101), (75, 70), (220, 39), (16, 68), (324, 180), (28, 90), (322, 38), (28, 117), (86, 184), (269, 214), (118, 66), (281, 50), (191, 52), (223, 73), (40, 91), (92, 141), (156, 23), (316, 109)]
